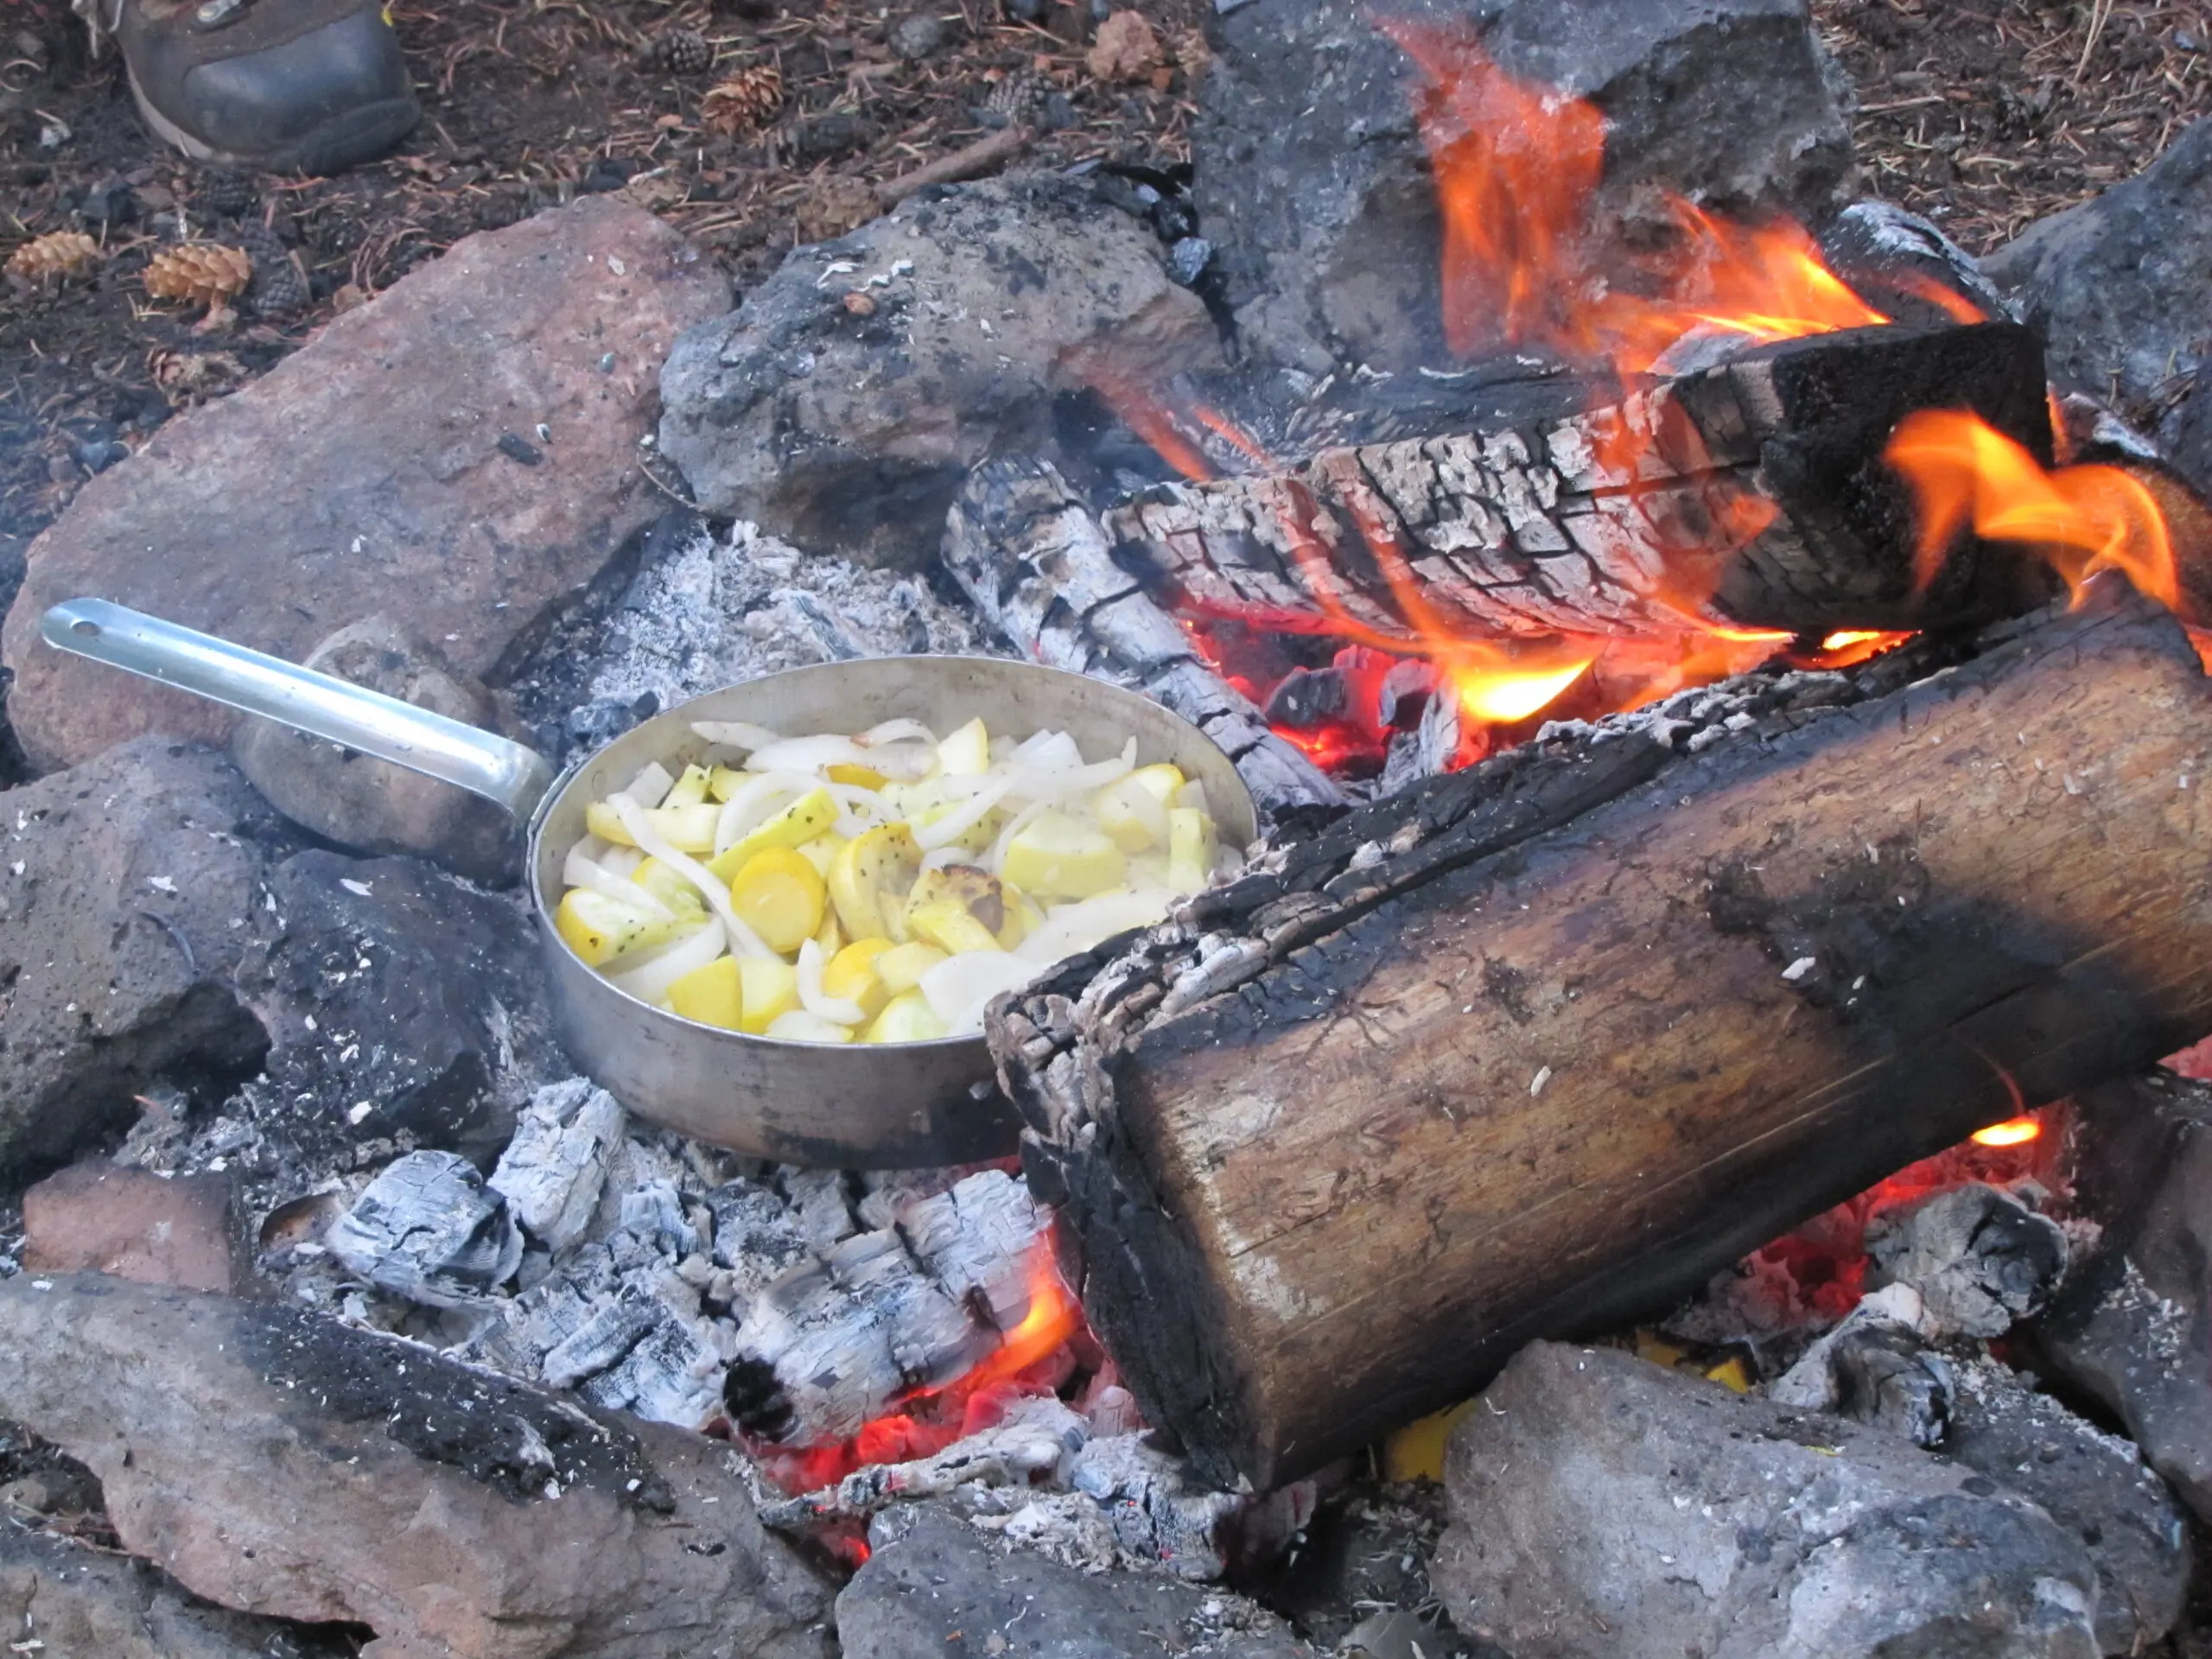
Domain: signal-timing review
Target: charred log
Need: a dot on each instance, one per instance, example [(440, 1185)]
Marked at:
[(1536, 1048), (1544, 528), (1024, 547)]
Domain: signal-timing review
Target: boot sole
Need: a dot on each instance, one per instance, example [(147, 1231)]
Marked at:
[(359, 135)]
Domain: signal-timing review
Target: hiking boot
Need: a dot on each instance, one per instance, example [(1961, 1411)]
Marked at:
[(274, 85)]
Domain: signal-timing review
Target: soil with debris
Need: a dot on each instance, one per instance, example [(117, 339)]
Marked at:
[(750, 124)]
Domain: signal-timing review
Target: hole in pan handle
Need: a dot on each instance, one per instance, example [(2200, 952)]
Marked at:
[(516, 776)]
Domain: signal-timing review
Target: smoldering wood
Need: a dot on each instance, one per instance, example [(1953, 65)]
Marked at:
[(428, 1229), (1877, 1367), (847, 1333), (1534, 528), (1536, 1049), (1025, 548), (1979, 1258)]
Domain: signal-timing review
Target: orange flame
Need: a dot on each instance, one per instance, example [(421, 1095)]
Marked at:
[(2080, 519), (2014, 1132)]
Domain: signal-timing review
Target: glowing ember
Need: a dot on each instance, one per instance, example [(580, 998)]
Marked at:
[(2081, 519), (1031, 1359), (2015, 1132)]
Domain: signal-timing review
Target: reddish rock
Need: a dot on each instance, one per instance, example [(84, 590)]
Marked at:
[(367, 474), (102, 1217)]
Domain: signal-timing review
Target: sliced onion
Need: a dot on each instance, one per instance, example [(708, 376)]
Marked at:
[(652, 982), (755, 802), (898, 731), (1059, 782), (591, 848), (995, 862), (1054, 752), (1068, 929), (953, 825), (837, 1010), (622, 861), (1029, 745), (650, 787), (960, 988), (807, 754), (903, 763), (797, 1026), (743, 940), (577, 871), (941, 858), (738, 733)]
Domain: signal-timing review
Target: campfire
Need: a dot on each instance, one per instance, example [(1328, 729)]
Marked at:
[(1726, 736)]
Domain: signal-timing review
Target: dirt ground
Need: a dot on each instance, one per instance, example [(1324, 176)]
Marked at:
[(1983, 118)]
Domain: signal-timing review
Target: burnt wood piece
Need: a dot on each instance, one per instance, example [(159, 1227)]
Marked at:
[(1535, 1049), (1026, 549), (1534, 530)]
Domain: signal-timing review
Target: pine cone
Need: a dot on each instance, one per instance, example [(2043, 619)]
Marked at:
[(277, 289), (205, 273), (748, 99), (220, 190), (55, 257), (1020, 97), (681, 52)]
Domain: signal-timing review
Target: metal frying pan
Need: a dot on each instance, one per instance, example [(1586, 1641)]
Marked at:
[(906, 1105)]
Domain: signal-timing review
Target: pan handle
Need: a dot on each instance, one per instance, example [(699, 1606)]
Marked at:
[(516, 776)]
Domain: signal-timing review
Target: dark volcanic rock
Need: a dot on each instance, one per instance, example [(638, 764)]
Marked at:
[(945, 1588), (2132, 1323), (74, 1599), (127, 896), (289, 1465), (373, 806), (1314, 187), (847, 429), (365, 475), (403, 1004), (2118, 286), (1602, 1506)]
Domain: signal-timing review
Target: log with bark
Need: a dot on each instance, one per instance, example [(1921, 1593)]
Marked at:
[(1535, 1048), (1544, 527)]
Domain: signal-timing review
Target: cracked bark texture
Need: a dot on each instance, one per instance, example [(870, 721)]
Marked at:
[(1538, 1046)]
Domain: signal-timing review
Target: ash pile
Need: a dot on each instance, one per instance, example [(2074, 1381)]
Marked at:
[(326, 1280)]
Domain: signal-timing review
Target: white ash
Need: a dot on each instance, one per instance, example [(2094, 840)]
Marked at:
[(428, 1229), (718, 610), (553, 1171)]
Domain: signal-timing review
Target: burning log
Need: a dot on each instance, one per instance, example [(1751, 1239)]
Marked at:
[(1537, 1047), (1759, 482), (1024, 547)]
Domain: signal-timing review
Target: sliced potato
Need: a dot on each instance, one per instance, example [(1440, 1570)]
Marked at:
[(947, 924), (813, 813), (780, 896), (831, 935), (1128, 811), (725, 781), (901, 967), (603, 931), (1056, 856), (908, 1018), (966, 752), (690, 790), (964, 884), (687, 829), (822, 852), (771, 990), (1191, 844), (851, 974), (714, 994), (884, 861), (1161, 779)]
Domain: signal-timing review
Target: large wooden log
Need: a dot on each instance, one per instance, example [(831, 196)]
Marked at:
[(1536, 1048), (1541, 528)]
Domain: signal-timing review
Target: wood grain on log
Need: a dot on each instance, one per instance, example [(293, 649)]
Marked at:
[(1542, 529), (1571, 1035)]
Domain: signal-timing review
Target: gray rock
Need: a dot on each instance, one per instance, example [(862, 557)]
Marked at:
[(285, 1465), (923, 36), (2092, 1483), (1314, 187), (127, 895), (2117, 285), (941, 1586), (2132, 1324), (365, 475), (1602, 1506), (74, 1600), (849, 433), (373, 806), (404, 1003)]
